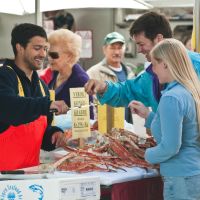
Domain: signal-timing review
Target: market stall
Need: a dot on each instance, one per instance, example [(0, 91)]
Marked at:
[(134, 184), (106, 166), (125, 183)]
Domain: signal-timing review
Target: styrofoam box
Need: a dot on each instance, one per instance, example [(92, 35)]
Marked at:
[(73, 188)]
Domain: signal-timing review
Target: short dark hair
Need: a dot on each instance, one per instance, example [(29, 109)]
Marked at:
[(22, 34), (151, 24), (64, 20)]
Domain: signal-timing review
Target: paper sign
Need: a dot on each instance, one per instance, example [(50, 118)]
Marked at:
[(80, 116)]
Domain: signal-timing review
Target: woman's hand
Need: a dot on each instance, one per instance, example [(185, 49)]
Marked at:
[(139, 109)]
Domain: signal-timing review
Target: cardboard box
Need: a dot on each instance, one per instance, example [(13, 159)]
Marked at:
[(73, 188)]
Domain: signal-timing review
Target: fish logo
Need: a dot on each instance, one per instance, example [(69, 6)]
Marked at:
[(38, 189)]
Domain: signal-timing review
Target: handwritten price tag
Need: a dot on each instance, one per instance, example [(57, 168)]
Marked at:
[(80, 116)]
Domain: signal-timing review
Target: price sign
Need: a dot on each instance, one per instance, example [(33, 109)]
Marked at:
[(80, 113), (88, 189)]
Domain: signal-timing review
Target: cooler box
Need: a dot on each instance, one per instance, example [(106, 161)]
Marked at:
[(76, 188)]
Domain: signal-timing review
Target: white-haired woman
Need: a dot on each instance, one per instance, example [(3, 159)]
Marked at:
[(63, 55), (176, 124)]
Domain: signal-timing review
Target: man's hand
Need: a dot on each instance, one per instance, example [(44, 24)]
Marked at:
[(60, 106), (59, 139), (95, 86)]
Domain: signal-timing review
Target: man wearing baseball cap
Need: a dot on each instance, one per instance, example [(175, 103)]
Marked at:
[(111, 67)]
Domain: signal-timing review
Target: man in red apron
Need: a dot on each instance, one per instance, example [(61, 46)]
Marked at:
[(24, 102)]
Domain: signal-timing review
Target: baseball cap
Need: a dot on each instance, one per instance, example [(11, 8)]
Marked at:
[(113, 38)]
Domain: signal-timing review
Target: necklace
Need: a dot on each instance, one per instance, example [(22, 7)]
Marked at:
[(60, 80)]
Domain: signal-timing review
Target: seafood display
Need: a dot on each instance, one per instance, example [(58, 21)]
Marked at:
[(110, 152)]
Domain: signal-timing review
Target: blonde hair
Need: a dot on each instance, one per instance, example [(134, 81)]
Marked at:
[(174, 54), (70, 42)]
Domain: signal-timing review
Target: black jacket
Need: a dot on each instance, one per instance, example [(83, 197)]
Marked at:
[(16, 110)]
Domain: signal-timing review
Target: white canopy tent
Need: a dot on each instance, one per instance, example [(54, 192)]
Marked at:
[(171, 3), (21, 7)]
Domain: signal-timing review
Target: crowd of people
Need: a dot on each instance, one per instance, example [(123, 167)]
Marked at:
[(169, 86)]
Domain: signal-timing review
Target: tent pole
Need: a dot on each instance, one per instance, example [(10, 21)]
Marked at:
[(38, 14), (197, 24)]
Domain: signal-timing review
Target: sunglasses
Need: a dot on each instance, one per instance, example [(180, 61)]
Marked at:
[(53, 55)]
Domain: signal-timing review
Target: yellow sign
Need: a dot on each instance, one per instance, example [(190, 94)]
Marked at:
[(80, 113), (52, 98), (109, 117), (102, 118), (118, 117)]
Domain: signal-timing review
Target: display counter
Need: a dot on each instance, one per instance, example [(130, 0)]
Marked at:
[(129, 184)]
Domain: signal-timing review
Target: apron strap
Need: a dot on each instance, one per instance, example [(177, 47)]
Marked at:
[(20, 88), (42, 88)]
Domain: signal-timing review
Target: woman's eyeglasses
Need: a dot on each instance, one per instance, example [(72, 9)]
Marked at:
[(53, 55)]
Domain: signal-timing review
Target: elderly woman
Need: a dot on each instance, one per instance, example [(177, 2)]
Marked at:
[(63, 55)]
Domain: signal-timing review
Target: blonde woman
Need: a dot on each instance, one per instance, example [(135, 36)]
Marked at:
[(63, 55), (176, 124)]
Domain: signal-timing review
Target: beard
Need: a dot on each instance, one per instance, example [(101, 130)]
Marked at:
[(33, 64)]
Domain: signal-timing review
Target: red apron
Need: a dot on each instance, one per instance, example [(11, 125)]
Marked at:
[(20, 145)]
